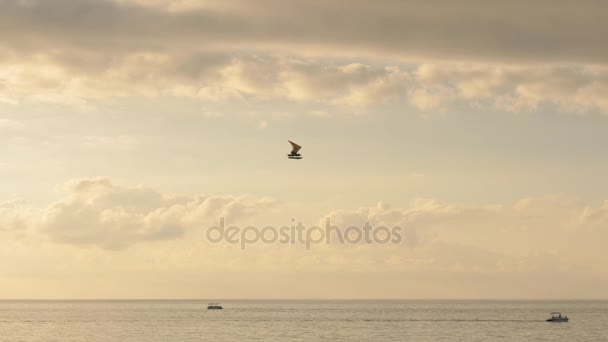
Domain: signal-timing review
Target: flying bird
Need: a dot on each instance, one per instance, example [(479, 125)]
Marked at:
[(294, 151)]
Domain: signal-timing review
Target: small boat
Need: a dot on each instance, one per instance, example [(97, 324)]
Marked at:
[(557, 317), (214, 306)]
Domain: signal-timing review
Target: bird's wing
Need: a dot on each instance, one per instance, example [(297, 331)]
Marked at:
[(295, 147)]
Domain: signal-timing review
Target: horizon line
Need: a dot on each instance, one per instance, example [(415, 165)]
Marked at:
[(302, 299)]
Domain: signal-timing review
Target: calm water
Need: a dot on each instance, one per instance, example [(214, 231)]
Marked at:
[(301, 321)]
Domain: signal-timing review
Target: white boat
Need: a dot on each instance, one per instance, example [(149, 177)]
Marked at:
[(214, 306), (557, 317)]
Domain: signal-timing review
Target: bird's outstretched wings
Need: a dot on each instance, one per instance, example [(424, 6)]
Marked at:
[(294, 147)]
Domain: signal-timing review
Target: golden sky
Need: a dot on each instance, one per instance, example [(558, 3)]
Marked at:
[(127, 127)]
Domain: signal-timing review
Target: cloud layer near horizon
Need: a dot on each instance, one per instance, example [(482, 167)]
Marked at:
[(436, 235), (502, 250), (96, 212)]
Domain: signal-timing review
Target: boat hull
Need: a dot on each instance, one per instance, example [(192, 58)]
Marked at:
[(557, 320)]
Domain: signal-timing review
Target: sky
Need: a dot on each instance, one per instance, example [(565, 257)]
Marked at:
[(129, 127)]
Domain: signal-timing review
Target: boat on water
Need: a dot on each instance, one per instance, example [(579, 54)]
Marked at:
[(557, 317), (214, 306)]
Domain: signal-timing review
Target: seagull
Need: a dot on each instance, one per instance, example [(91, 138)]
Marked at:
[(294, 151)]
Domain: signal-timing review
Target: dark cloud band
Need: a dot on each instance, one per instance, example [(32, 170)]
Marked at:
[(540, 31)]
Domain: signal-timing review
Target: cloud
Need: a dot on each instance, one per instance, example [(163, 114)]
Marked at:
[(524, 242), (431, 57), (570, 88), (540, 234), (532, 239), (441, 29), (14, 217), (426, 88), (544, 234), (97, 212)]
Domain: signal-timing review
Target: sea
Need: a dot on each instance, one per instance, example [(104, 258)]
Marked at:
[(305, 320)]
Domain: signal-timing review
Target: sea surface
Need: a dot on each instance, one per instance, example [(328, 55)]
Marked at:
[(384, 320)]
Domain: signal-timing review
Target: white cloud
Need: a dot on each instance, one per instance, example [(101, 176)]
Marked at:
[(426, 87), (530, 240), (97, 212), (480, 56), (546, 234)]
